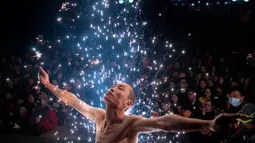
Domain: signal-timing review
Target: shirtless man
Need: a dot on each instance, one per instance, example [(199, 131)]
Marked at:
[(113, 126)]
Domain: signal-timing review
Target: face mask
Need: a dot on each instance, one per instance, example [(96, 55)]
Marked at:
[(234, 102)]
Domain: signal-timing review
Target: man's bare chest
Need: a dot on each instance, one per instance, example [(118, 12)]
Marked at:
[(116, 133)]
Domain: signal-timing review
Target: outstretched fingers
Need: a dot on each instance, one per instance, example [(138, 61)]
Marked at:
[(42, 70)]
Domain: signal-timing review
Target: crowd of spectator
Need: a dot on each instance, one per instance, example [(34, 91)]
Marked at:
[(26, 107), (199, 87), (205, 86)]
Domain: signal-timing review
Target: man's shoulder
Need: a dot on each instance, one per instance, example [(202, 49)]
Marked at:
[(100, 113), (249, 105), (248, 109)]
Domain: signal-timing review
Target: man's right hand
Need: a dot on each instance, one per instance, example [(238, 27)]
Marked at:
[(44, 77), (68, 98)]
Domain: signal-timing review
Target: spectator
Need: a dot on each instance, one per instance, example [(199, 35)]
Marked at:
[(206, 111), (46, 119), (193, 103), (234, 83), (175, 104), (247, 90), (219, 98), (22, 124), (221, 81), (213, 71), (206, 96), (239, 105), (182, 93), (202, 86), (31, 105), (62, 111)]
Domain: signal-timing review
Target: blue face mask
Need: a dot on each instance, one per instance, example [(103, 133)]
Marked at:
[(234, 102)]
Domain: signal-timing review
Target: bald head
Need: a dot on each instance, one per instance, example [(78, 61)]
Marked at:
[(121, 95)]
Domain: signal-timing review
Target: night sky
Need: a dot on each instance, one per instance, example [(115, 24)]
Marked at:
[(22, 21)]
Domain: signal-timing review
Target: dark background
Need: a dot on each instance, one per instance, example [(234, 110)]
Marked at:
[(221, 28)]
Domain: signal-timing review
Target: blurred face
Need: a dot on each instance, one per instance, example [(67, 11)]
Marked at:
[(54, 82), (55, 61), (202, 107), (226, 70), (145, 61), (60, 75), (221, 59), (182, 75), (207, 93), (31, 81), (177, 65), (190, 73), (78, 83), (233, 84), (208, 106), (198, 76), (215, 79), (117, 96), (43, 103), (186, 113), (206, 76), (219, 90), (183, 83), (227, 105), (16, 68), (191, 96), (174, 99), (220, 80), (202, 84), (246, 81), (8, 96), (172, 85), (176, 74), (203, 69), (19, 60), (213, 68), (31, 99), (22, 111), (38, 91), (77, 63), (20, 101)]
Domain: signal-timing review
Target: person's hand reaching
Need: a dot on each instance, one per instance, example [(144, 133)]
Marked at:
[(223, 122), (44, 77)]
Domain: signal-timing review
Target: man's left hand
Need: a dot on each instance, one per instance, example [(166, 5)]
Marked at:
[(223, 122)]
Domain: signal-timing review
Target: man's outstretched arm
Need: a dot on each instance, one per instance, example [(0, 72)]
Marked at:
[(70, 99), (169, 123), (173, 123)]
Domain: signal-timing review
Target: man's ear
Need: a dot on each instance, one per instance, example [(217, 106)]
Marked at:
[(242, 98), (129, 103)]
